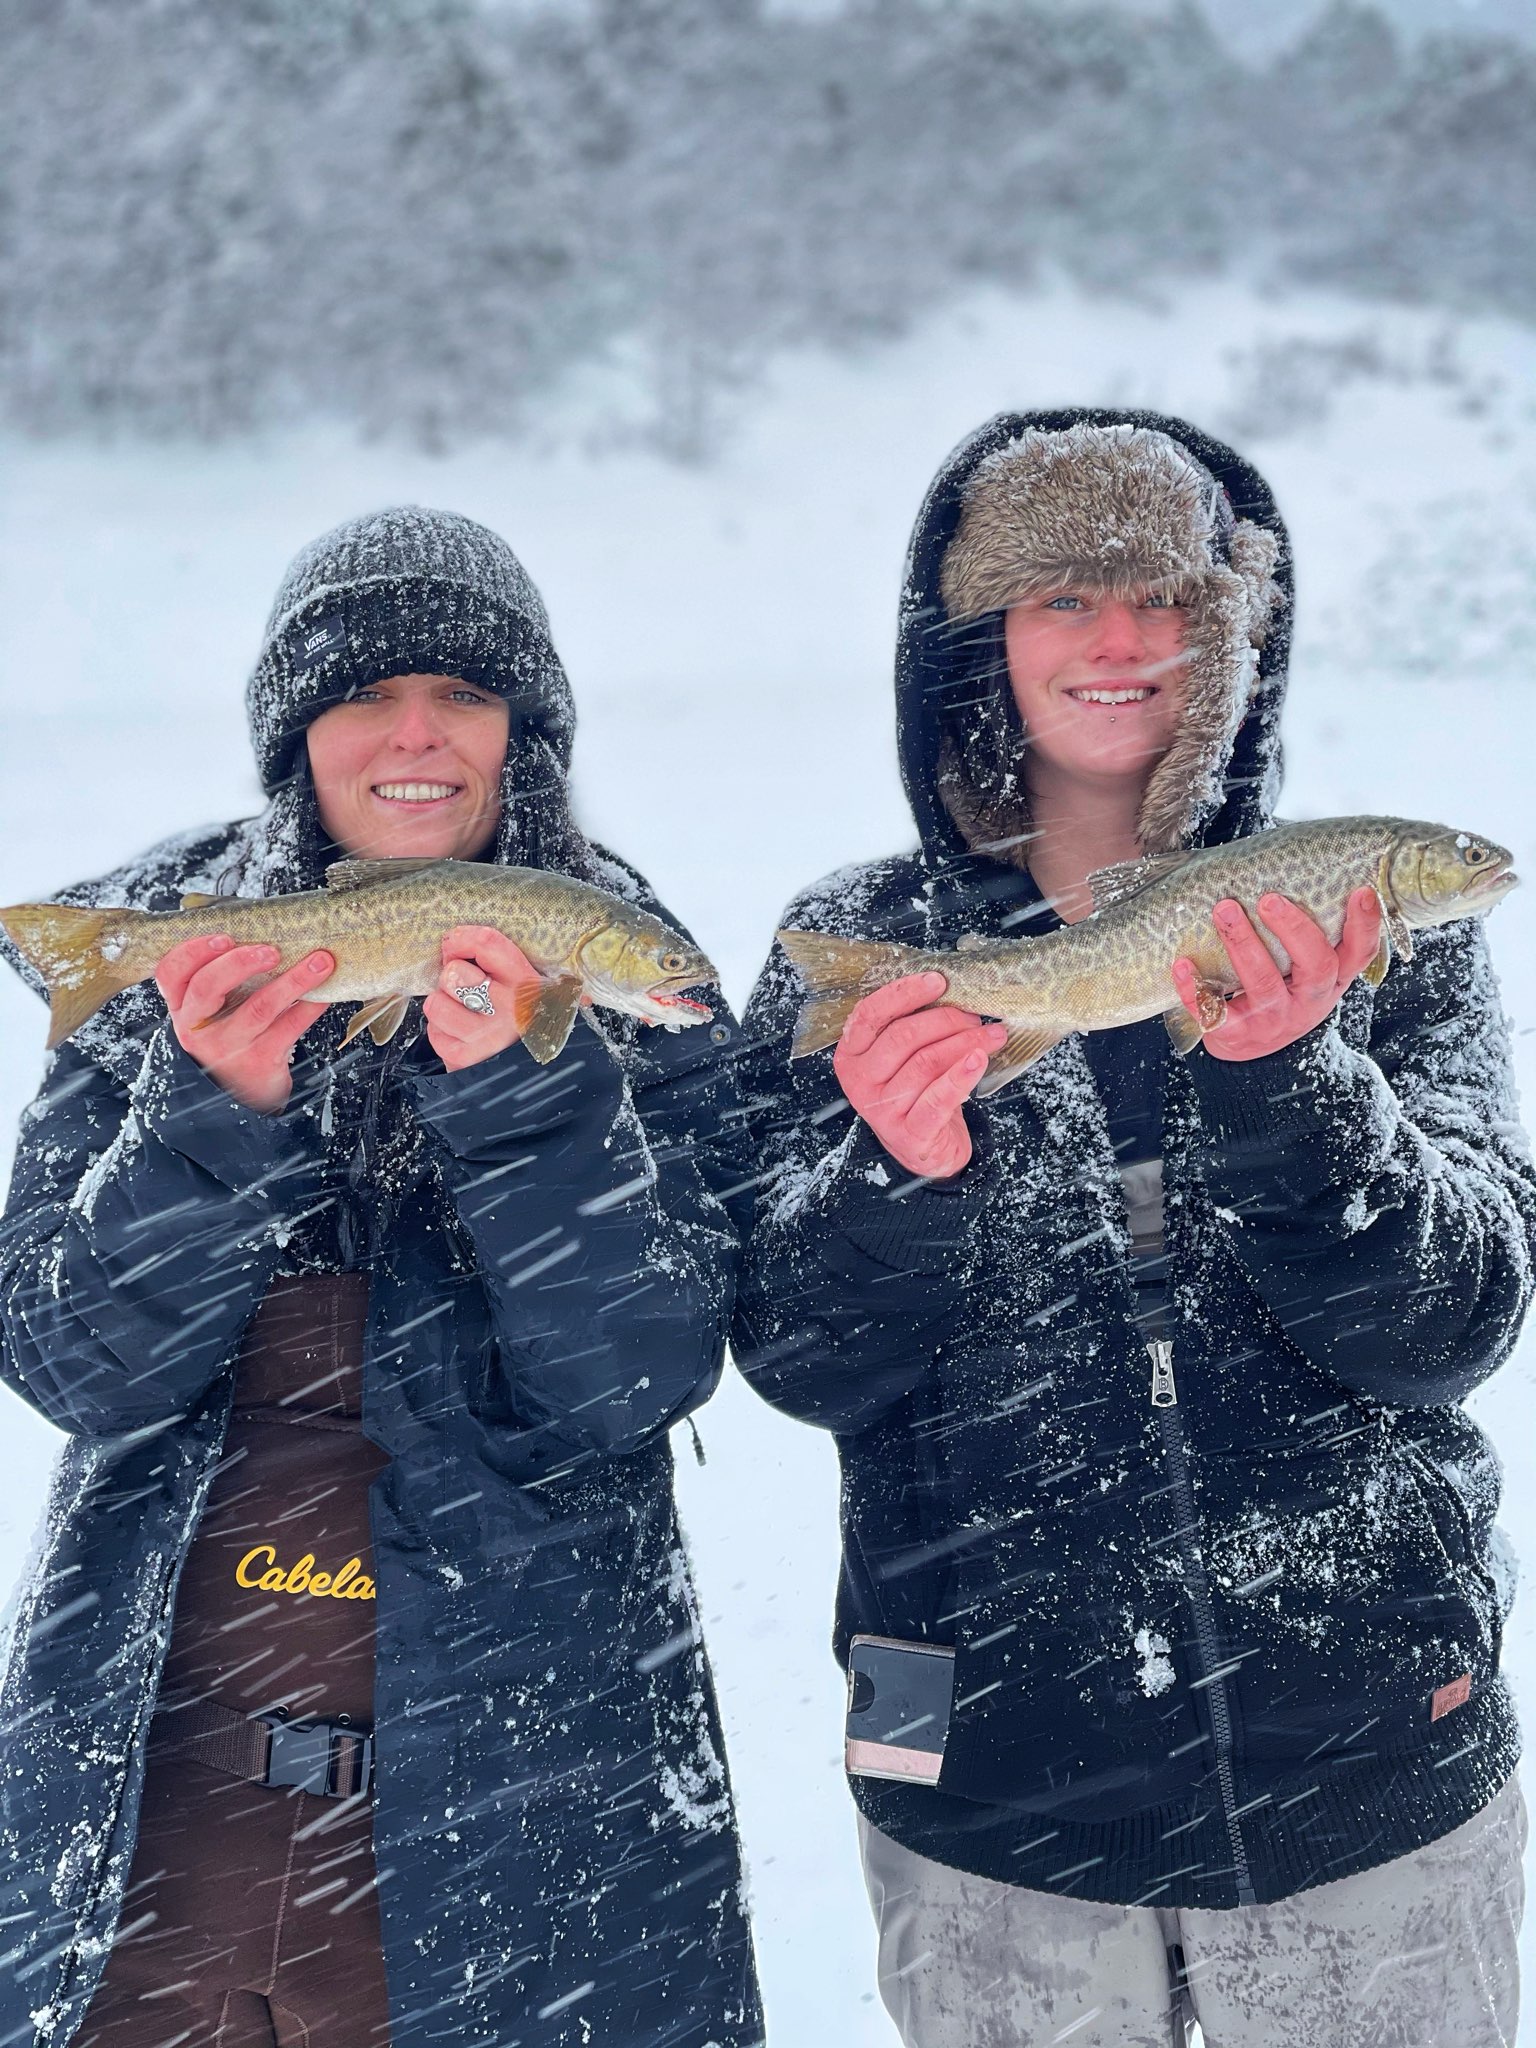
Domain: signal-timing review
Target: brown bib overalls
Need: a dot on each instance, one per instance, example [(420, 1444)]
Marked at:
[(251, 1916)]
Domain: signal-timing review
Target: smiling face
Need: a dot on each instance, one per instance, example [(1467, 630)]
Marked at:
[(1099, 682), (411, 768)]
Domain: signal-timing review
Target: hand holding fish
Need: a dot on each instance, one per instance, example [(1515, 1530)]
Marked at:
[(907, 1069), (1275, 1009), (478, 956), (247, 1049)]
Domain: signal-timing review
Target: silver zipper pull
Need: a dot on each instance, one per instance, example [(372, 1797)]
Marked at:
[(1164, 1392)]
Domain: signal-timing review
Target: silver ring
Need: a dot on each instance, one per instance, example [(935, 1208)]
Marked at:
[(477, 998)]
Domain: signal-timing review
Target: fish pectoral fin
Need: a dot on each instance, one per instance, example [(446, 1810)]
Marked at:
[(1398, 932), (381, 1018), (544, 1013), (1126, 878), (235, 1000), (1021, 1049), (1375, 969), (367, 874), (972, 942), (1184, 1031)]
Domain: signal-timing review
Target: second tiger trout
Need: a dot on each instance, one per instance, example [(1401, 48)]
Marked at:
[(1116, 966)]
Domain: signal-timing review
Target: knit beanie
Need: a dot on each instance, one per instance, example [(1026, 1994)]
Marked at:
[(407, 591)]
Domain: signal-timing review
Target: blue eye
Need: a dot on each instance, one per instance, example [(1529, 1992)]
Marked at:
[(1066, 602)]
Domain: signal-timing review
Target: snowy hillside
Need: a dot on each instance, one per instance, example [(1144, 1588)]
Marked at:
[(728, 631)]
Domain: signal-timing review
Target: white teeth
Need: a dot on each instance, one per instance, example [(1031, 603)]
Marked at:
[(1110, 696), (415, 792)]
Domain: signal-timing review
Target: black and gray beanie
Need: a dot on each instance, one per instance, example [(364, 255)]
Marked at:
[(407, 591)]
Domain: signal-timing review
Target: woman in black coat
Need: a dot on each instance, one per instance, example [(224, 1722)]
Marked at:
[(1146, 1373), (397, 1333)]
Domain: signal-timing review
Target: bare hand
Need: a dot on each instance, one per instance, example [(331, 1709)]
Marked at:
[(908, 1068), (249, 1050), (1276, 1009), (473, 953)]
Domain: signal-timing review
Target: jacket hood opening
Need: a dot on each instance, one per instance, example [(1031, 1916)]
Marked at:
[(1098, 500)]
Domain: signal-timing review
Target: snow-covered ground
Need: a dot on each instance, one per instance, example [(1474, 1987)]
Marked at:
[(729, 631)]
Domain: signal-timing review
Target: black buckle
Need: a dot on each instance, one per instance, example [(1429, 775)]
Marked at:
[(308, 1756)]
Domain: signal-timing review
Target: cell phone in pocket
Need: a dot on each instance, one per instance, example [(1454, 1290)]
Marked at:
[(899, 1697)]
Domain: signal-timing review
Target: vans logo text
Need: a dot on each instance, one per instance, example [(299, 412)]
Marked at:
[(323, 638)]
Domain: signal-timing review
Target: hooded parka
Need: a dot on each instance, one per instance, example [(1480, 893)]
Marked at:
[(1207, 1653), (550, 1264)]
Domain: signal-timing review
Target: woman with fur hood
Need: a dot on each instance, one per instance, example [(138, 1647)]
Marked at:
[(1146, 1373), (355, 1695)]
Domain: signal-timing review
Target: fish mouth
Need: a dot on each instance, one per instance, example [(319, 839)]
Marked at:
[(701, 1012), (1495, 882)]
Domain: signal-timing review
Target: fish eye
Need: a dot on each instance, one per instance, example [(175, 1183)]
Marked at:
[(672, 963), (1475, 855)]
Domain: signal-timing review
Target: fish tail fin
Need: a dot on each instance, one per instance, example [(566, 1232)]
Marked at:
[(63, 942), (837, 974)]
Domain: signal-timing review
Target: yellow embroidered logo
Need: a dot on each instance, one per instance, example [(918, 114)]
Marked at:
[(350, 1583)]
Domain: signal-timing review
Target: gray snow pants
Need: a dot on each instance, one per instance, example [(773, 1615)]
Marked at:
[(1419, 1953)]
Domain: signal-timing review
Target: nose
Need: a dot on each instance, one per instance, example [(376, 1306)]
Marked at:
[(417, 726), (1120, 636)]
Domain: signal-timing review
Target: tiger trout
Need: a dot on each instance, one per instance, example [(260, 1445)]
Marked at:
[(384, 921), (1115, 967)]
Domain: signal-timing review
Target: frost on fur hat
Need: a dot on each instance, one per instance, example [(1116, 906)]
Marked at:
[(408, 591), (1117, 509)]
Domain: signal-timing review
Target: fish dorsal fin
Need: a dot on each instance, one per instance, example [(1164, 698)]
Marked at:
[(1127, 878), (199, 899), (972, 942), (367, 874)]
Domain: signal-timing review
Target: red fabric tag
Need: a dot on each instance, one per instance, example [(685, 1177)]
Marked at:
[(1446, 1698)]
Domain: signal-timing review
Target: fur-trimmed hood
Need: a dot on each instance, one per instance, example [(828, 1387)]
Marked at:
[(1113, 499)]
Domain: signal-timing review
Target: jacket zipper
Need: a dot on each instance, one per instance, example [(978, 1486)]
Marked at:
[(1170, 1428)]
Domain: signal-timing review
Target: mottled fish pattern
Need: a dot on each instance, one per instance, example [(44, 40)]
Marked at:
[(384, 921), (1115, 967)]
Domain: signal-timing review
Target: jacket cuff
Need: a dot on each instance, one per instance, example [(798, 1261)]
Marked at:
[(905, 1223), (182, 1106), (1286, 1094), (479, 1110)]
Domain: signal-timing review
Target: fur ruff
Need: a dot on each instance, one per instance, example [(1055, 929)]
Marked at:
[(1114, 509)]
